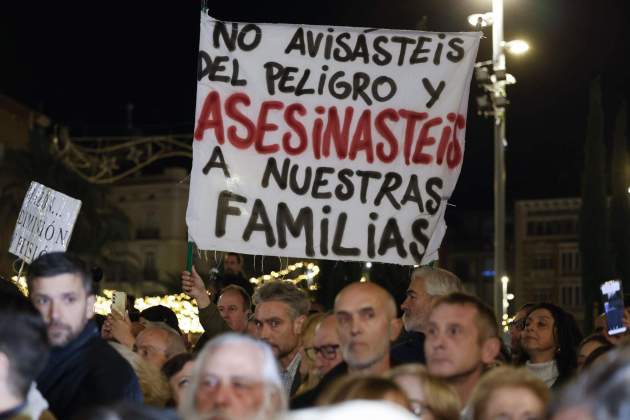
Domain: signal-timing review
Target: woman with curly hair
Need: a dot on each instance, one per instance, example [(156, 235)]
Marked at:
[(550, 342)]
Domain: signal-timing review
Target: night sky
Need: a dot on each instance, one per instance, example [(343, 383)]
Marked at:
[(82, 62)]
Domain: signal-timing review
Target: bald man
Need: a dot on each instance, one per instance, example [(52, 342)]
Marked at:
[(365, 314)]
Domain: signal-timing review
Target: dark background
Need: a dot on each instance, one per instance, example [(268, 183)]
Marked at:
[(81, 63)]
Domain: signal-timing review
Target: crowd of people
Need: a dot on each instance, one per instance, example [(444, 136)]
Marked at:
[(269, 353)]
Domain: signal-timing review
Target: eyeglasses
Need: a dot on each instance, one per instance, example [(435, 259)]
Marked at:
[(519, 324), (329, 352), (418, 408)]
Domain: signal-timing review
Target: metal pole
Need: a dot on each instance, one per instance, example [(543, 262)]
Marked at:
[(498, 60), (499, 211)]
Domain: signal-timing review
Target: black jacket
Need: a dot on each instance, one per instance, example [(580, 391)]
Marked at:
[(409, 348), (308, 398), (86, 372)]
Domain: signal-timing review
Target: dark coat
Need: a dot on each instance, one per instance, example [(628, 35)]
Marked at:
[(86, 372), (308, 398), (409, 348)]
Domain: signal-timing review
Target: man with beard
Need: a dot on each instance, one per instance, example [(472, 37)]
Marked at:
[(426, 285), (82, 370), (281, 309), (236, 378)]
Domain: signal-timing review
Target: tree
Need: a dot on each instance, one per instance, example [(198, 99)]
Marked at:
[(593, 218), (98, 221)]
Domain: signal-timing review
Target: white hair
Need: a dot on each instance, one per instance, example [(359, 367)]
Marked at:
[(174, 341), (270, 373), (437, 281)]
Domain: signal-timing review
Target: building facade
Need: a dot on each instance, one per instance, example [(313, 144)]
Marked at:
[(547, 254), (156, 253)]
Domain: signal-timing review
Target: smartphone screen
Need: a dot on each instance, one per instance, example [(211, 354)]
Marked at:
[(612, 296)]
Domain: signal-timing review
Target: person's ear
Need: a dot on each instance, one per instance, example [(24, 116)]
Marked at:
[(89, 307), (298, 323), (276, 401), (490, 349), (395, 328), (5, 366)]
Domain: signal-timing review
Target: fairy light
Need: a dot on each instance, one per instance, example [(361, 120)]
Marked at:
[(21, 284), (183, 306), (312, 271)]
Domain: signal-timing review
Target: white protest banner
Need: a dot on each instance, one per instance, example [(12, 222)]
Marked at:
[(327, 142), (45, 222)]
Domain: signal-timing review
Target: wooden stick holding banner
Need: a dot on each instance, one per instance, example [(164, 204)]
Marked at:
[(19, 276)]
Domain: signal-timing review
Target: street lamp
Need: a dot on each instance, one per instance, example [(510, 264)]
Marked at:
[(494, 102)]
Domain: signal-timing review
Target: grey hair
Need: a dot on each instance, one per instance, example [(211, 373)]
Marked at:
[(288, 293), (602, 391), (270, 373), (175, 343), (437, 281)]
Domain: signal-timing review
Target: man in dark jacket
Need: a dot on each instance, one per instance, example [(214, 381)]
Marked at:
[(426, 286), (23, 350), (82, 370)]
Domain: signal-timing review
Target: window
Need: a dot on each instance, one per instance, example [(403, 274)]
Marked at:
[(150, 269), (570, 262), (542, 262), (571, 296), (150, 228)]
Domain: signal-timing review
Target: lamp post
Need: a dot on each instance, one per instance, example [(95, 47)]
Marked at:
[(498, 65), (495, 87)]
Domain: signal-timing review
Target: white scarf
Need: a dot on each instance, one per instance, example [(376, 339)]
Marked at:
[(546, 371)]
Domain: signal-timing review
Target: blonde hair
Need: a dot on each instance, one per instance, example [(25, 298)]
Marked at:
[(439, 397), (505, 377), (360, 387), (155, 389), (308, 332)]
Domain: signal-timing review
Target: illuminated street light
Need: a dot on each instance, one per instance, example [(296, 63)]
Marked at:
[(481, 19), (517, 46), (368, 264)]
